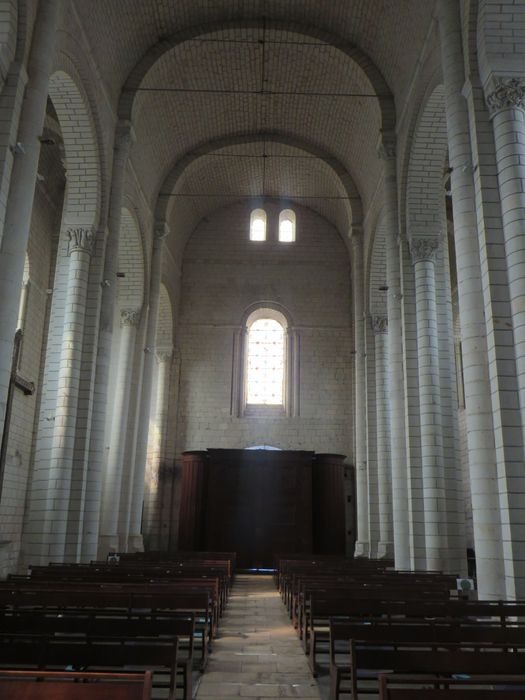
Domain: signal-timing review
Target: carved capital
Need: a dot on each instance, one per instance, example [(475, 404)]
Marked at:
[(80, 239), (164, 355), (386, 147), (508, 92), (129, 317), (380, 324), (423, 249)]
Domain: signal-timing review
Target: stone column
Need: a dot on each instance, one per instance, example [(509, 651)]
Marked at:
[(385, 549), (23, 181), (506, 103), (111, 493), (480, 433), (423, 251), (156, 451), (59, 472), (362, 545), (135, 542), (387, 152), (122, 145)]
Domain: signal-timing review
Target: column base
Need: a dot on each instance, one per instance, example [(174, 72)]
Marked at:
[(362, 550), (107, 544), (385, 550), (135, 543)]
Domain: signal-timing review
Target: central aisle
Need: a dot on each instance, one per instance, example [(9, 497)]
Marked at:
[(257, 653)]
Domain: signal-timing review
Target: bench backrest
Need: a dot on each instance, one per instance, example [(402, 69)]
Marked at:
[(42, 685), (412, 687)]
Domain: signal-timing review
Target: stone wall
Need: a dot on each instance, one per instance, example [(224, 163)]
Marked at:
[(224, 273)]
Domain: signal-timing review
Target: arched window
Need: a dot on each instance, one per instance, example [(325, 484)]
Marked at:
[(265, 363), (265, 379), (258, 225), (287, 226)]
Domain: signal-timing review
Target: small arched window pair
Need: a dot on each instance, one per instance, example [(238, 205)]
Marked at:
[(286, 225)]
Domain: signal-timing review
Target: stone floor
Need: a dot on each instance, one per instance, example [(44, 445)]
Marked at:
[(257, 653)]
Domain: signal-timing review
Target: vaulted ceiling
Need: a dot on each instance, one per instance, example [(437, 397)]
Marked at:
[(237, 98)]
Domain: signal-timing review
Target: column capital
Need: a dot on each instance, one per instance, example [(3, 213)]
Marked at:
[(81, 239), (386, 145), (423, 249), (505, 93), (380, 324), (356, 233), (161, 230), (124, 134), (129, 317), (164, 354)]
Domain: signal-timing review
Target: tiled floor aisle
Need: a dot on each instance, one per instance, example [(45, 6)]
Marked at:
[(257, 653)]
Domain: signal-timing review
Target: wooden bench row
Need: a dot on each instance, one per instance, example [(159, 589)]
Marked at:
[(425, 687), (70, 685), (51, 653), (106, 613), (368, 620)]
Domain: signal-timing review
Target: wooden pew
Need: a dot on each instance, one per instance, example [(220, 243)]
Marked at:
[(127, 585), (369, 658), (48, 653), (425, 687), (402, 632), (216, 579), (321, 610), (50, 685), (180, 626), (119, 601), (303, 584), (160, 556), (354, 590)]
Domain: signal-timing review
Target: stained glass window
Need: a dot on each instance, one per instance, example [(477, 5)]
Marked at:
[(265, 365), (258, 225)]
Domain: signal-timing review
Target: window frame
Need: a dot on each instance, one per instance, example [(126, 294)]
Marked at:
[(290, 405), (255, 215), (260, 315), (287, 215)]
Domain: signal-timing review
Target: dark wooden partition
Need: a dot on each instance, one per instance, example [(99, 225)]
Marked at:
[(259, 502), (194, 489), (328, 504)]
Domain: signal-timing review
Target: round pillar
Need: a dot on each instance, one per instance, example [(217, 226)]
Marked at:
[(423, 251), (122, 145), (129, 320), (22, 184), (362, 545), (135, 536), (156, 454), (80, 246), (387, 152), (480, 432), (385, 548)]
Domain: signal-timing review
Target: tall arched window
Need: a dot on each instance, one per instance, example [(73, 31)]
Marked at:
[(265, 378), (265, 364), (287, 226), (258, 225)]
